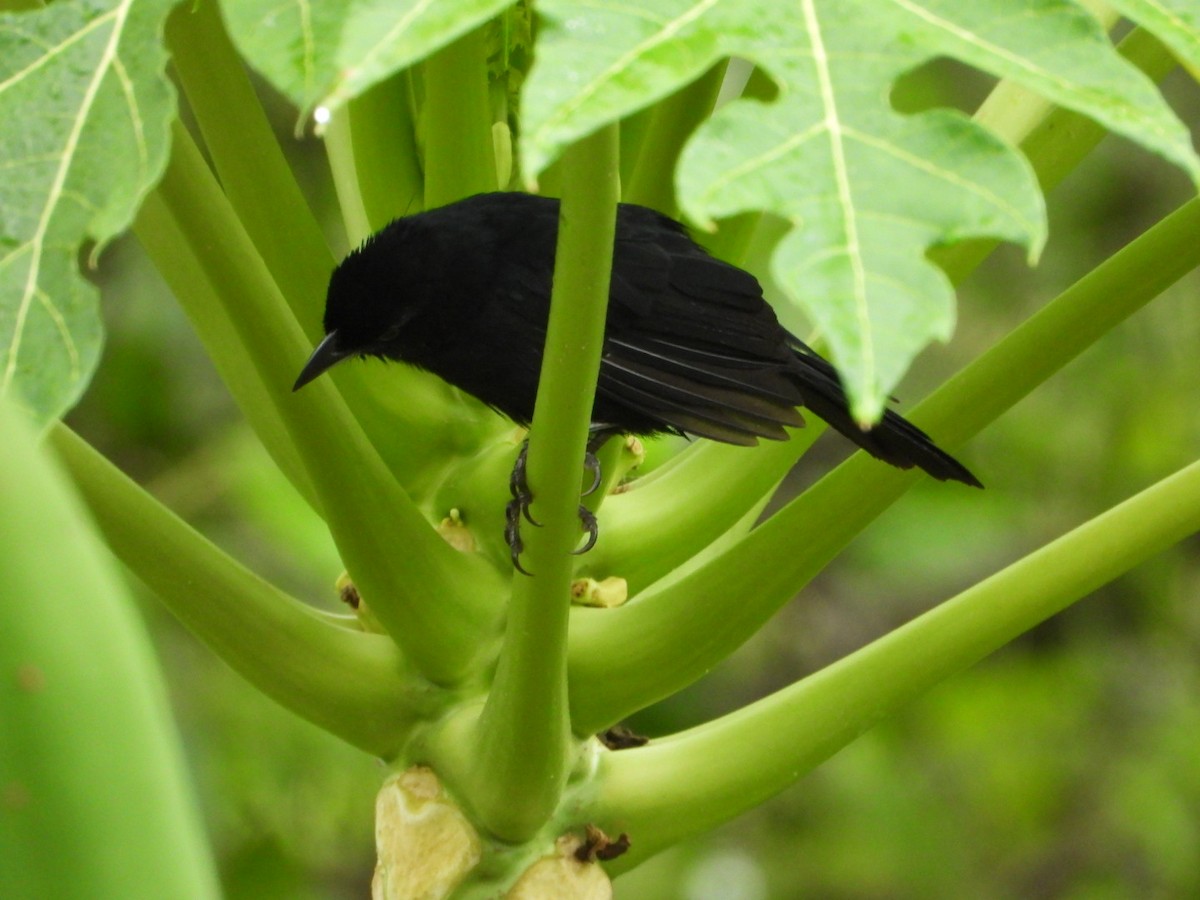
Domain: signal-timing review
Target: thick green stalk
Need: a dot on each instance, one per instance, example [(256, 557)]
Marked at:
[(456, 120), (624, 659), (524, 736), (166, 245), (385, 151), (393, 404), (348, 682), (687, 783), (339, 150), (733, 238), (374, 158), (259, 183), (1068, 325), (633, 129), (264, 194), (671, 123), (95, 790), (441, 606), (654, 527)]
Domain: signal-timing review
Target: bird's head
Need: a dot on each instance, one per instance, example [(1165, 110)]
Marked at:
[(372, 296)]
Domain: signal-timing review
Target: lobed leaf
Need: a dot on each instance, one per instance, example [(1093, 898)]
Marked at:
[(86, 111), (866, 190)]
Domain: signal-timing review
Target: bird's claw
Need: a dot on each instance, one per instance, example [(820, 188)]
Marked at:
[(591, 462), (512, 530), (519, 488), (518, 508), (587, 519)]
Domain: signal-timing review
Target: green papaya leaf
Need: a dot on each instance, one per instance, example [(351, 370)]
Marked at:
[(325, 52), (867, 191), (86, 111)]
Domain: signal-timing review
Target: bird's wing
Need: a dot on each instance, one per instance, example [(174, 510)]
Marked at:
[(691, 343)]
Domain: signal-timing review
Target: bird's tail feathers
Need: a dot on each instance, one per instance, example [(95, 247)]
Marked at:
[(894, 439)]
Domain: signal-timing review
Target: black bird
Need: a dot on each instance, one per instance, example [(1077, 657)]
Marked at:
[(690, 346)]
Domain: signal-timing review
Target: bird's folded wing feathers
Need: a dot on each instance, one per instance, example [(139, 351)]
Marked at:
[(694, 345)]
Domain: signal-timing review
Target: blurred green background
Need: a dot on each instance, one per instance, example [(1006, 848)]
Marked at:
[(1067, 765)]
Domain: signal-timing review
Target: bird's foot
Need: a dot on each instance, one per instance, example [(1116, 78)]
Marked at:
[(512, 530), (518, 508)]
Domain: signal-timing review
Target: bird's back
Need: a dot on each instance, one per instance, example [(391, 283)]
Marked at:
[(690, 344)]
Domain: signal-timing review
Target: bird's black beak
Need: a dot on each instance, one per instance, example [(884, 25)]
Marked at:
[(328, 353)]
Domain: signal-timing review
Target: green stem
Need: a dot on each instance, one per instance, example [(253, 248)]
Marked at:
[(376, 165), (633, 128), (339, 150), (374, 157), (259, 184), (1068, 325), (349, 683), (166, 245), (689, 782), (733, 238), (657, 525), (624, 659), (96, 798), (264, 194), (523, 733), (671, 124), (385, 151), (457, 121), (398, 562)]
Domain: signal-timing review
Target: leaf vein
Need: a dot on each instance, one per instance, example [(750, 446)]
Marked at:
[(762, 159), (54, 50), (834, 128), (119, 14), (669, 29), (947, 175), (135, 114), (64, 332), (1021, 62), (378, 47)]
